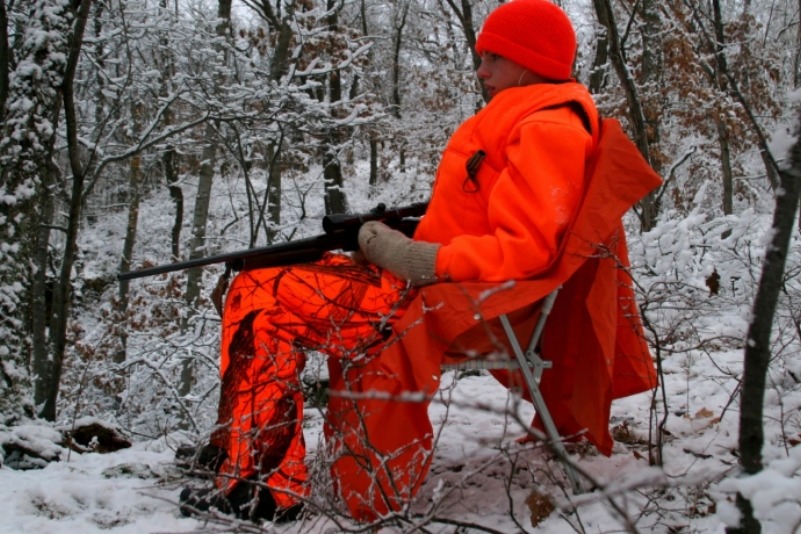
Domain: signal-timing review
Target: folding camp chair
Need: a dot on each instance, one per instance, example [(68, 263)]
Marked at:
[(603, 354), (531, 365)]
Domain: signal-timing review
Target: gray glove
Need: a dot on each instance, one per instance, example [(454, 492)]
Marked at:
[(392, 250)]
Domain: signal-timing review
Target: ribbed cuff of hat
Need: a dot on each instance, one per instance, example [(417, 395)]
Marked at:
[(421, 260)]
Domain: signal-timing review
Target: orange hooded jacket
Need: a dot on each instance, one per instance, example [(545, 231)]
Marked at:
[(530, 221), (506, 223)]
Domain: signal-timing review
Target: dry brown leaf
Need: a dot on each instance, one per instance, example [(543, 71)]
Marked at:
[(541, 507), (624, 434), (703, 413)]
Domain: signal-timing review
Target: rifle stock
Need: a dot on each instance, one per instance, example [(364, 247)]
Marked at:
[(341, 233)]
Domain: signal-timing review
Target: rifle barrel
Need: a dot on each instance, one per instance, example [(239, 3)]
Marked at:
[(281, 254), (341, 233)]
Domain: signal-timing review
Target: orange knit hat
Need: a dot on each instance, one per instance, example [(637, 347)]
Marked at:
[(533, 33)]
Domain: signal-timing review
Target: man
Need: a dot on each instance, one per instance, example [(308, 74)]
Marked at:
[(507, 190)]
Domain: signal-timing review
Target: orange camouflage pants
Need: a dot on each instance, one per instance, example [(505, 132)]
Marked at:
[(272, 316)]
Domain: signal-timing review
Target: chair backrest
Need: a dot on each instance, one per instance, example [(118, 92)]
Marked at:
[(595, 327)]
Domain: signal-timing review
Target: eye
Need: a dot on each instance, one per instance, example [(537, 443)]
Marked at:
[(490, 57)]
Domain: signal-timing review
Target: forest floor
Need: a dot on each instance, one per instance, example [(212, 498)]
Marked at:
[(482, 479)]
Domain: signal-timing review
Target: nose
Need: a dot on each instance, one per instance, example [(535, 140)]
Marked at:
[(482, 72)]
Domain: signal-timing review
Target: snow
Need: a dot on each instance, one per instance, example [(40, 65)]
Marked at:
[(135, 490), (121, 493), (783, 138)]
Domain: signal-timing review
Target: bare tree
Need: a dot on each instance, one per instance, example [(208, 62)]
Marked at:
[(26, 152), (203, 200), (636, 112), (740, 86), (335, 200), (5, 56), (48, 383), (758, 347), (281, 34), (123, 293), (796, 74), (401, 15), (170, 156), (464, 13)]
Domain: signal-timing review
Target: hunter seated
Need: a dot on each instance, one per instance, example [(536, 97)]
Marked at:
[(518, 206)]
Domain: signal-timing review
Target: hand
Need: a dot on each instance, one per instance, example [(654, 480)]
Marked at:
[(392, 250)]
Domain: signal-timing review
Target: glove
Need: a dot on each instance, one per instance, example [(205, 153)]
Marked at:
[(392, 250)]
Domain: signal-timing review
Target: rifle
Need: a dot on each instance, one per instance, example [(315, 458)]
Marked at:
[(341, 233)]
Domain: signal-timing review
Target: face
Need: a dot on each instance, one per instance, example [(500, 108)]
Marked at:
[(498, 73)]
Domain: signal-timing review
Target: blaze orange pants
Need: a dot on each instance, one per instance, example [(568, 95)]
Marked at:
[(272, 316)]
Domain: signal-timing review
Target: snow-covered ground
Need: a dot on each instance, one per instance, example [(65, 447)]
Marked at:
[(481, 475)]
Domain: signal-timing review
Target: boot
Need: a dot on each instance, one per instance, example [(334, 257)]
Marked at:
[(206, 458), (240, 502)]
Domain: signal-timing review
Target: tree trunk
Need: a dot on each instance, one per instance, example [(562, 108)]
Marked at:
[(131, 227), (721, 68), (197, 249), (170, 156), (279, 66), (757, 350), (200, 216), (177, 196), (797, 55), (465, 15), (127, 253), (274, 191), (281, 55), (335, 201), (42, 289), (599, 75), (603, 9), (62, 290), (373, 180), (397, 44), (652, 72), (5, 57), (25, 168), (727, 202), (278, 69)]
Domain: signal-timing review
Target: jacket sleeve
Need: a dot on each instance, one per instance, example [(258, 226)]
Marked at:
[(529, 206)]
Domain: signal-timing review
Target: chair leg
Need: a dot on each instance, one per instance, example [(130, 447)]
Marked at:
[(532, 367)]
